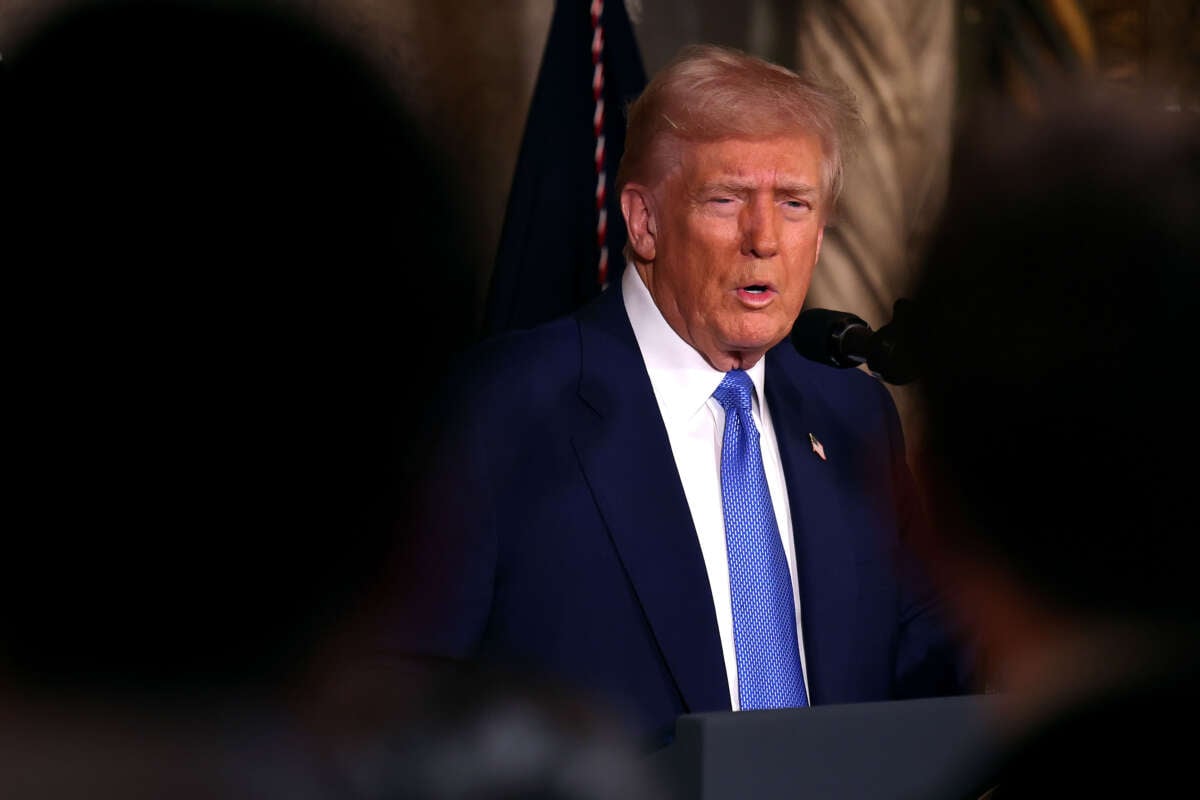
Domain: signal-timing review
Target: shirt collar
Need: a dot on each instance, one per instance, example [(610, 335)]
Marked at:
[(683, 381)]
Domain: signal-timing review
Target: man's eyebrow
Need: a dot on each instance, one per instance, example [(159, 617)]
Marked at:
[(731, 186), (799, 188)]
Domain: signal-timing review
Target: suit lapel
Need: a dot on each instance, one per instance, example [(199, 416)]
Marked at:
[(824, 557), (624, 451)]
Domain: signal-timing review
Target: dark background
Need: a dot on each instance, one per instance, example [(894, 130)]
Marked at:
[(469, 67)]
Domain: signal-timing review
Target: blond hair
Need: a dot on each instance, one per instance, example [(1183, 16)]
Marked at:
[(710, 92)]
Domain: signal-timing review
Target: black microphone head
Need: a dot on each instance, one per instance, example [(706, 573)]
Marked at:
[(836, 338)]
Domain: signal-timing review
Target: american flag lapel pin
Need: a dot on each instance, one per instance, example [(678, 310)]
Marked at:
[(818, 448)]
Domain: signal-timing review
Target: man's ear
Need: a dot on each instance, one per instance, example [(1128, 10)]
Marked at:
[(637, 206)]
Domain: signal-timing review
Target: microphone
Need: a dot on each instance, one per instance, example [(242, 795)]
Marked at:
[(841, 339)]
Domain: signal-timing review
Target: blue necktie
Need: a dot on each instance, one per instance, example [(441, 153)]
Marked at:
[(764, 617)]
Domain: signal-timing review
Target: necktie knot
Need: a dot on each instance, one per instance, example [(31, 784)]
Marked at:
[(735, 391)]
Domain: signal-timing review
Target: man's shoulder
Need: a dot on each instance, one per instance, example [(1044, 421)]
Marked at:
[(546, 349), (839, 387), (517, 350), (511, 374)]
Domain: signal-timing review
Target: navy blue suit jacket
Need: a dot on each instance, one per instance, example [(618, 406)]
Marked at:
[(554, 535)]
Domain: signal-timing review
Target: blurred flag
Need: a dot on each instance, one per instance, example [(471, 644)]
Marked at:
[(563, 231)]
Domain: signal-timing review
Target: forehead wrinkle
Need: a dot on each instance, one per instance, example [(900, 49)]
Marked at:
[(736, 185)]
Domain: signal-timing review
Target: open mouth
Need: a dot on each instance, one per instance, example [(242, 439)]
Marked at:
[(757, 295)]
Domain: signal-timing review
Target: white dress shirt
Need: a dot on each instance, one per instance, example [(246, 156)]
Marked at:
[(683, 385)]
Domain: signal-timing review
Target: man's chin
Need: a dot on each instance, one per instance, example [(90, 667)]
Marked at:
[(755, 344), (737, 358)]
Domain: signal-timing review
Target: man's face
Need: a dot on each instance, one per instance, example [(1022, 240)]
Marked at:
[(737, 231)]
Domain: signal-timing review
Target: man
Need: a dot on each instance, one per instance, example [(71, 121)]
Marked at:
[(573, 516), (1051, 324)]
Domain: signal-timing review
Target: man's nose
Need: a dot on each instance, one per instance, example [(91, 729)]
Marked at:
[(760, 228)]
